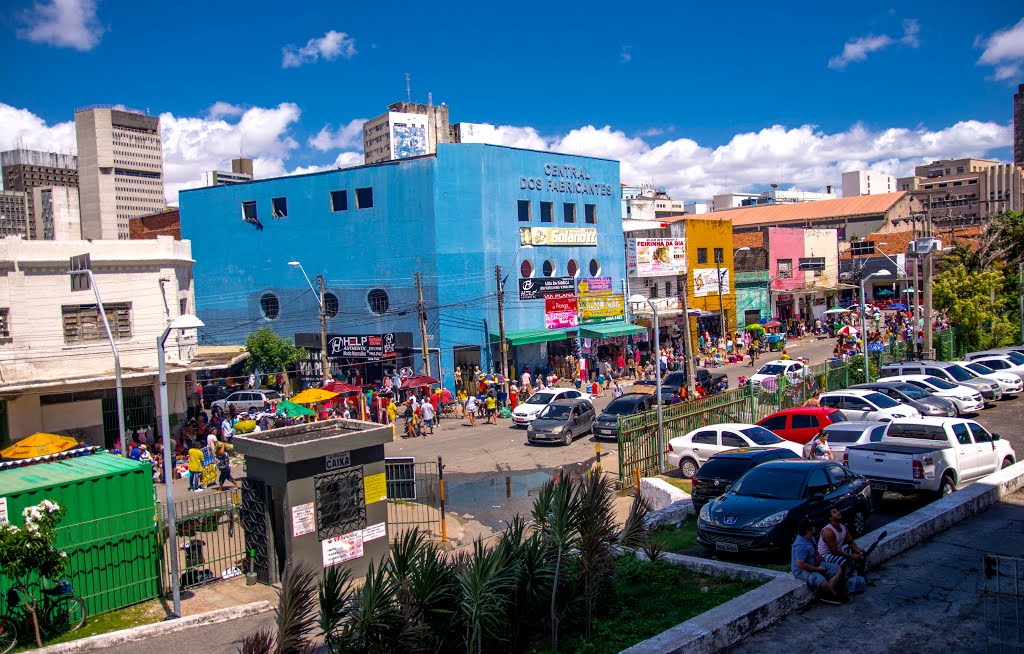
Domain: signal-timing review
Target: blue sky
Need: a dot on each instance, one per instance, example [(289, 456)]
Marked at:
[(695, 98)]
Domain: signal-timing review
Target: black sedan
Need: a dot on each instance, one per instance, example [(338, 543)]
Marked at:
[(723, 469), (761, 511)]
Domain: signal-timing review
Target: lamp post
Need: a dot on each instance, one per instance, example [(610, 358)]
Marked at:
[(180, 323), (864, 321), (719, 255), (657, 375), (323, 318)]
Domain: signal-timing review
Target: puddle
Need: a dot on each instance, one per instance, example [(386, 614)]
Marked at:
[(494, 498)]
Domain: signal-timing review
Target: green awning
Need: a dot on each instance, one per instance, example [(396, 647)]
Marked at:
[(527, 336), (610, 329)]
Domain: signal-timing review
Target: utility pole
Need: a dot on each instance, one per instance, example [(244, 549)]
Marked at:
[(927, 283), (721, 305), (422, 311), (324, 365), (687, 343), (501, 327)]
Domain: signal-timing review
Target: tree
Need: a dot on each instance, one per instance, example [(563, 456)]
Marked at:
[(973, 302), (269, 353), (28, 551)]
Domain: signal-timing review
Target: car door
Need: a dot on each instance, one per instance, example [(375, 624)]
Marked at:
[(704, 444), (987, 461), (586, 419), (235, 400), (731, 439), (839, 495), (817, 484), (855, 408), (966, 451), (805, 427), (777, 424), (940, 373)]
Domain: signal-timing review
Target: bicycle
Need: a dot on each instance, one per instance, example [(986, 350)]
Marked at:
[(59, 612)]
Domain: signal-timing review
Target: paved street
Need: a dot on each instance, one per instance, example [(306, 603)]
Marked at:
[(221, 638)]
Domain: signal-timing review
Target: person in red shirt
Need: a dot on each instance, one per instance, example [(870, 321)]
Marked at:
[(621, 363)]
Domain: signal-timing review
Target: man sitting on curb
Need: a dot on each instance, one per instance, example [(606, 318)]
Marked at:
[(836, 545), (826, 578)]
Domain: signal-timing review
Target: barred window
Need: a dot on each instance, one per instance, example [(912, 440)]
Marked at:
[(83, 324), (5, 323)]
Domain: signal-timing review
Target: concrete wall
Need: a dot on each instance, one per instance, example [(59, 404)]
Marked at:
[(710, 234)]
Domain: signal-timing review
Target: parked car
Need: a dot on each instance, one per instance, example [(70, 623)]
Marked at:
[(723, 469), (761, 511), (793, 370), (606, 425), (1015, 354), (801, 424), (929, 454), (854, 432), (1006, 362), (1009, 383), (526, 411), (861, 404), (213, 393), (951, 372), (709, 381), (689, 452), (964, 398), (561, 421), (242, 401), (925, 403)]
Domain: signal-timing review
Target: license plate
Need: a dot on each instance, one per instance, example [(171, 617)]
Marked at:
[(727, 547), (880, 487)]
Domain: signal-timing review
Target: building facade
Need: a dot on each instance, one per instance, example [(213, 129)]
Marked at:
[(1018, 126), (956, 192), (546, 219), (14, 216), (727, 201), (408, 129), (57, 215), (120, 160), (241, 172), (26, 170), (803, 272), (55, 357), (867, 182)]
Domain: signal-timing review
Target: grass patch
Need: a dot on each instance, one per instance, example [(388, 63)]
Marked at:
[(682, 540), (126, 618), (685, 485)]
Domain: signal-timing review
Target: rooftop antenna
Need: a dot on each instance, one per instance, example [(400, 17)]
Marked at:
[(408, 89), (430, 99)]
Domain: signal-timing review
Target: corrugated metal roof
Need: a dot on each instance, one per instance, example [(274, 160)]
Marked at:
[(861, 205), (57, 473)]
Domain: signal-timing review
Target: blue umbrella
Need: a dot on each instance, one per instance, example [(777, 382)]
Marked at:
[(898, 305)]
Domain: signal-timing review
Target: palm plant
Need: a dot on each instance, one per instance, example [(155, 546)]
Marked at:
[(535, 580), (596, 535), (435, 592), (556, 513), (487, 585), (337, 599), (296, 616)]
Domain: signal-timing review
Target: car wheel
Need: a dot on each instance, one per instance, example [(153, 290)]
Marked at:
[(947, 487), (1007, 462), (876, 497), (859, 523), (687, 468), (567, 440)]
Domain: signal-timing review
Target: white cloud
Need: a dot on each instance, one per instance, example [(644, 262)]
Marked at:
[(859, 48), (1004, 49), (220, 109), (24, 129), (330, 46), (63, 23), (625, 56), (512, 136), (347, 136)]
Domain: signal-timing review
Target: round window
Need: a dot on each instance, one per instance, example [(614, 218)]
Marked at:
[(595, 267), (270, 306), (549, 268), (526, 269), (330, 305), (378, 301), (572, 268)]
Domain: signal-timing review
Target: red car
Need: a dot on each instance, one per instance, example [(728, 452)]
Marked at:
[(801, 424)]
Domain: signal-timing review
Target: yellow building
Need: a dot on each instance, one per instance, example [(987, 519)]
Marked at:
[(709, 258)]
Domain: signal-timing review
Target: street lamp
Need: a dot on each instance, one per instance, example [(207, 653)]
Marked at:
[(864, 322), (180, 323), (657, 374), (323, 317)]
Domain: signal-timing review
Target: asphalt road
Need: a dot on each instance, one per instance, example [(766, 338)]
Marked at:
[(220, 638)]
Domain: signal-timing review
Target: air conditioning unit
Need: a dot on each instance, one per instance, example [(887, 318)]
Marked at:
[(924, 246)]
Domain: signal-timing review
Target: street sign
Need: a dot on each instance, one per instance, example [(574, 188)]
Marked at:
[(79, 277)]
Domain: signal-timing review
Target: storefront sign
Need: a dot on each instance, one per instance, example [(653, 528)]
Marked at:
[(653, 257), (342, 548), (560, 313), (373, 532), (539, 288), (368, 347), (338, 460), (594, 285), (303, 520), (558, 236), (705, 281), (597, 309), (564, 179)]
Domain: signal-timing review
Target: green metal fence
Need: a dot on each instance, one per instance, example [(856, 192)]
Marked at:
[(640, 449), (949, 345)]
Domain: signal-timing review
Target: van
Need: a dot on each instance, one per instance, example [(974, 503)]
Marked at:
[(951, 372)]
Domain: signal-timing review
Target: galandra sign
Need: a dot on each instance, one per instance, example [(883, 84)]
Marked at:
[(557, 236)]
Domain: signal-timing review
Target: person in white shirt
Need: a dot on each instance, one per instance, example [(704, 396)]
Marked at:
[(616, 389), (526, 379), (427, 412)]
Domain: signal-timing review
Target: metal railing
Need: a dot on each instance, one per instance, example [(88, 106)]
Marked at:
[(415, 497), (211, 541)]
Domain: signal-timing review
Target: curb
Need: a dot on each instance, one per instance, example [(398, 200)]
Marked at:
[(143, 632)]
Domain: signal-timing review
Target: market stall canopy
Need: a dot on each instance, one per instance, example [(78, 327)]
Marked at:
[(848, 331), (837, 310), (312, 395), (38, 444), (341, 388), (416, 381), (527, 336), (755, 328), (898, 306), (611, 329), (293, 410)]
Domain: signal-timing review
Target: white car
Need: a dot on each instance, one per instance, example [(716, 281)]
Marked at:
[(1001, 362), (965, 398), (689, 452), (792, 369), (865, 405), (526, 411), (1008, 382), (243, 401)]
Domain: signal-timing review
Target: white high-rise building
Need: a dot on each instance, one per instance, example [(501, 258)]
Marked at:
[(867, 182), (120, 169)]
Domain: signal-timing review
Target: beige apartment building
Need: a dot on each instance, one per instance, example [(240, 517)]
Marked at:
[(965, 191), (408, 129), (120, 169)]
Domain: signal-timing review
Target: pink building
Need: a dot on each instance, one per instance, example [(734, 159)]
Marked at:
[(803, 271)]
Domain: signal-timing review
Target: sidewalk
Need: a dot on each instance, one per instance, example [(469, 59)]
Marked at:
[(931, 595)]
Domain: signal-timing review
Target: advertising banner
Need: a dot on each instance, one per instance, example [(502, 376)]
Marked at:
[(705, 281), (408, 135), (597, 309), (539, 288), (342, 548), (368, 347), (653, 257), (594, 285), (558, 236), (560, 313)]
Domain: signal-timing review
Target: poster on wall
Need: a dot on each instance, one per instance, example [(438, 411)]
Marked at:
[(597, 309), (653, 257), (594, 285), (408, 135), (303, 520), (560, 313), (342, 548), (705, 281)]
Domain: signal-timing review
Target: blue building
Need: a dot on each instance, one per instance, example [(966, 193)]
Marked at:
[(452, 217)]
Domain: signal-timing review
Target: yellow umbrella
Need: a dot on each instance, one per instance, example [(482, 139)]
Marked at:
[(38, 444), (312, 395)]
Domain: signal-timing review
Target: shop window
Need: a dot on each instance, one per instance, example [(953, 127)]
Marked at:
[(378, 301), (339, 200), (785, 268), (702, 256), (654, 292), (364, 198), (573, 267), (590, 214), (547, 212), (569, 212), (719, 256), (526, 268), (279, 207), (83, 324), (270, 306), (330, 305), (548, 268), (524, 211), (595, 267)]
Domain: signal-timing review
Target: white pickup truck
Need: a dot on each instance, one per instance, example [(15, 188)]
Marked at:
[(928, 454)]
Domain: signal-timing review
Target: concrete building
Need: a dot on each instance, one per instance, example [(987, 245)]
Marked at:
[(57, 216), (867, 182), (853, 217), (241, 172), (1018, 126), (408, 129), (25, 170), (452, 216), (693, 208), (14, 216), (121, 166), (751, 257), (162, 223), (727, 201), (649, 203), (56, 362), (958, 192)]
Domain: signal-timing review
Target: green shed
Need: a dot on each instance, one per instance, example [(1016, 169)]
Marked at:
[(109, 530)]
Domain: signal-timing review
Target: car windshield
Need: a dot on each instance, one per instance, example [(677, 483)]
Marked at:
[(272, 395), (843, 434), (620, 407), (1016, 357), (770, 482), (980, 368), (675, 379), (911, 391), (540, 398), (554, 412), (881, 401), (724, 468), (761, 436), (772, 369), (940, 384), (960, 374)]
